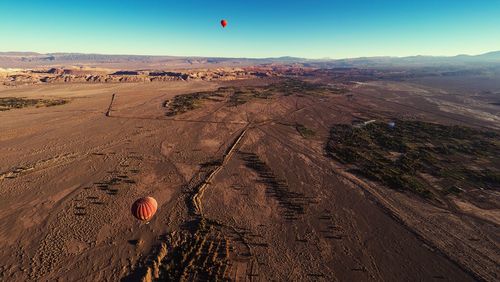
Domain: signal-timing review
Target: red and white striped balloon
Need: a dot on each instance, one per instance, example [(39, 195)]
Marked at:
[(144, 208)]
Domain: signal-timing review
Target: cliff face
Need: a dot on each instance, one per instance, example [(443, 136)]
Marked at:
[(57, 75)]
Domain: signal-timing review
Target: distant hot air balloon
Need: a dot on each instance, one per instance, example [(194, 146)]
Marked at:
[(223, 23), (144, 208)]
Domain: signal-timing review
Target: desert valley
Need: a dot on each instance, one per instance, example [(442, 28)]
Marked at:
[(274, 169)]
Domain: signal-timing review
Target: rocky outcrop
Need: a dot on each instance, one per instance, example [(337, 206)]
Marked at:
[(61, 75)]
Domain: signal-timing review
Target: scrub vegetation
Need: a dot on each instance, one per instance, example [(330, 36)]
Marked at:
[(8, 103), (239, 95), (424, 158)]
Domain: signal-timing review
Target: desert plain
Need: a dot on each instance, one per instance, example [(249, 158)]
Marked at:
[(246, 170)]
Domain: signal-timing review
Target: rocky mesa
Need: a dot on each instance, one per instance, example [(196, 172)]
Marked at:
[(80, 75)]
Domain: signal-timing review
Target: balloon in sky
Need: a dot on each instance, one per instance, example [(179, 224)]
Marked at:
[(144, 208), (223, 23)]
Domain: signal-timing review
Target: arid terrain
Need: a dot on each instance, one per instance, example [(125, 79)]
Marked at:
[(252, 180)]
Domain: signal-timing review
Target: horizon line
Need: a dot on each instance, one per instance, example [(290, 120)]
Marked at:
[(253, 58)]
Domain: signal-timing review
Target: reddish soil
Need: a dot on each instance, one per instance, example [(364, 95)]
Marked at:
[(283, 209)]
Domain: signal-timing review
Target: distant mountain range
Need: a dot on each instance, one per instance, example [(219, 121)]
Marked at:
[(32, 59), (491, 58)]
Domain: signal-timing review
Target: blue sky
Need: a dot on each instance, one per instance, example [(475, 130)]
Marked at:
[(257, 28)]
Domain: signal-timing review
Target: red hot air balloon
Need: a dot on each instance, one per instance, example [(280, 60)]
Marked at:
[(223, 23), (144, 208)]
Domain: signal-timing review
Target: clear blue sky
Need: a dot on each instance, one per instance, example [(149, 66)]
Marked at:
[(256, 28)]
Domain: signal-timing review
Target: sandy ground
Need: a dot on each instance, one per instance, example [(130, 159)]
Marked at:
[(69, 174)]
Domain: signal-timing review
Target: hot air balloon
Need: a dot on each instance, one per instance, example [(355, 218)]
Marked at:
[(223, 23), (144, 208)]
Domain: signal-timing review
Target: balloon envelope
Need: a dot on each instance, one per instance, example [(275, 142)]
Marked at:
[(144, 208), (223, 23)]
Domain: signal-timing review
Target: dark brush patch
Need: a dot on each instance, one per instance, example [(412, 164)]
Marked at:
[(458, 157)]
